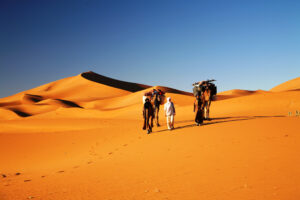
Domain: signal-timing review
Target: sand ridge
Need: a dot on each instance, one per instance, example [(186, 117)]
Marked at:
[(293, 84), (89, 91)]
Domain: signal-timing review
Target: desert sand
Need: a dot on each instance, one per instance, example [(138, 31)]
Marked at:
[(81, 138)]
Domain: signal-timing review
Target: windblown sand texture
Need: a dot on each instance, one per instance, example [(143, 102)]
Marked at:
[(81, 138)]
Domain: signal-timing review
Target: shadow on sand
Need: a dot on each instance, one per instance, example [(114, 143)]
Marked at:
[(132, 87), (20, 113), (67, 103), (219, 120)]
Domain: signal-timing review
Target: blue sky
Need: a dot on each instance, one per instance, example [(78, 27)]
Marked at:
[(244, 44)]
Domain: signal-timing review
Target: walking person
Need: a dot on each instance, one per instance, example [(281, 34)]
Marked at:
[(169, 113), (198, 108)]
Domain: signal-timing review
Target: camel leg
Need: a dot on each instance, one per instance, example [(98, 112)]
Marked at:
[(206, 110), (152, 117), (148, 118), (197, 117), (154, 114), (144, 115), (149, 129), (202, 116), (150, 125), (208, 107), (157, 119), (208, 114)]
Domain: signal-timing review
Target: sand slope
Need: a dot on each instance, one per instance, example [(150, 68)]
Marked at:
[(237, 93), (68, 92), (82, 138), (293, 84)]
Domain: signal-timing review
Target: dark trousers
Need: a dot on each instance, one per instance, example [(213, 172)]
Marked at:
[(199, 117)]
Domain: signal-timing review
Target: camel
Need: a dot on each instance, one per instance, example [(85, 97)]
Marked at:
[(148, 114), (207, 90), (158, 98), (207, 97)]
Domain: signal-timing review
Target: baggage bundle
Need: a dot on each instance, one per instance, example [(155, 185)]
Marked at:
[(199, 87)]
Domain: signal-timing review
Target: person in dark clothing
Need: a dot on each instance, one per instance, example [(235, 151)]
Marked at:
[(148, 115), (198, 108)]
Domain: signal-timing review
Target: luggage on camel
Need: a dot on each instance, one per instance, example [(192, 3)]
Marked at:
[(147, 95), (158, 96), (197, 90), (199, 87)]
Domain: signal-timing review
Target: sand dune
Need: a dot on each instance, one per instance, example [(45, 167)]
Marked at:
[(237, 93), (293, 84), (76, 88), (132, 87), (280, 103), (88, 91), (136, 98), (59, 103), (68, 92), (8, 114), (29, 98), (81, 138)]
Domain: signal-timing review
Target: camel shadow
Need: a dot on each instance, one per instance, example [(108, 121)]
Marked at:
[(221, 120)]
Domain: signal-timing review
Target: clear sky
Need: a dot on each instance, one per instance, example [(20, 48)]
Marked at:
[(244, 44)]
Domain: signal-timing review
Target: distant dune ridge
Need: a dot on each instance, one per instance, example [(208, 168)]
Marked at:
[(293, 84), (90, 90), (87, 90), (132, 87), (81, 138), (237, 93)]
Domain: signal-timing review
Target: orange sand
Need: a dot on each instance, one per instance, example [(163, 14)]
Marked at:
[(80, 138)]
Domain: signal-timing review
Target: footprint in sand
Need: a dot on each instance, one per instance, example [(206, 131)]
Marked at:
[(90, 162), (76, 167), (124, 145), (28, 180), (61, 171)]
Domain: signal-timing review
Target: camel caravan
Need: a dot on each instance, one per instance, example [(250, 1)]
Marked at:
[(204, 92)]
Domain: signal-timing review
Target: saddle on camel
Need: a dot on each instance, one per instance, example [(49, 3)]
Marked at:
[(205, 91), (152, 101)]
